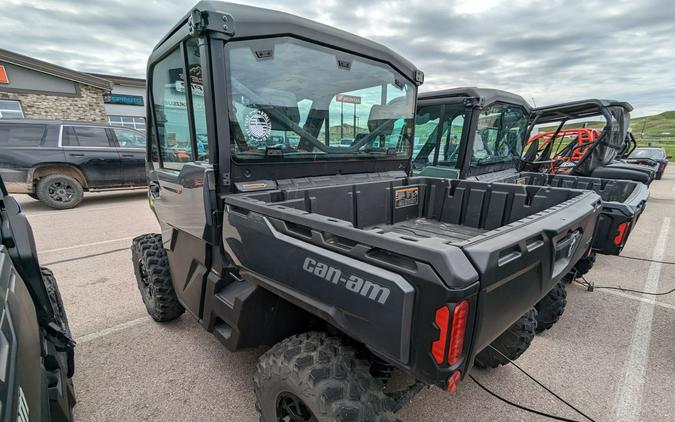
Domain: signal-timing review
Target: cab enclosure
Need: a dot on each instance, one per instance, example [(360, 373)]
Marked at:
[(290, 207), (566, 145), (482, 137)]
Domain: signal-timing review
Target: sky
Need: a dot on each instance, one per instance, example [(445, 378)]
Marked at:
[(547, 51)]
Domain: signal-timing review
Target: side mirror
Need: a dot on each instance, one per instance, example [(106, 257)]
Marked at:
[(669, 157)]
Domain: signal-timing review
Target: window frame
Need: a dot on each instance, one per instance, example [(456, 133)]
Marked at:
[(151, 127), (42, 138), (23, 115), (111, 141), (116, 139)]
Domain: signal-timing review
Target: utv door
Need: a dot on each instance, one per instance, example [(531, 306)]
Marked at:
[(176, 179), (91, 149), (131, 147)]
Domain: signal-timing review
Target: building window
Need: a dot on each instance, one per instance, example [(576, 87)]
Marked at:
[(133, 122), (10, 109)]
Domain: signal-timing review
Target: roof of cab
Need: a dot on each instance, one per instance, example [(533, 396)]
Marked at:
[(484, 95), (249, 21), (577, 109)]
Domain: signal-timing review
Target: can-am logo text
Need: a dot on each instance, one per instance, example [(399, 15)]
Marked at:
[(352, 283)]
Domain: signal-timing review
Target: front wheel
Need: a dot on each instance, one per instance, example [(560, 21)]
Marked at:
[(512, 343), (314, 377), (151, 267)]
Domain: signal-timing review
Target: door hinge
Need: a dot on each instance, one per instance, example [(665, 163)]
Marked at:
[(200, 22)]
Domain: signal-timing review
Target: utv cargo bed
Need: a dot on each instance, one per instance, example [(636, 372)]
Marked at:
[(622, 204), (431, 243)]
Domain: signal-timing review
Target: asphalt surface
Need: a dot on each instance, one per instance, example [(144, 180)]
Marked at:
[(611, 355)]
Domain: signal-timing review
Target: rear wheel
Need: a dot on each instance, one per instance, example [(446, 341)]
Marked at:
[(151, 266), (551, 307), (512, 343), (59, 191), (315, 377)]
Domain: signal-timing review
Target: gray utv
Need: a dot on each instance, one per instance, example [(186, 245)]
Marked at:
[(483, 135), (36, 346), (278, 166)]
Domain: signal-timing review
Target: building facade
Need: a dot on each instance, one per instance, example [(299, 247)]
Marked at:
[(125, 104), (31, 88)]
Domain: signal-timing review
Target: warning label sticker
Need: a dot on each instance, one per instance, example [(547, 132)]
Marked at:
[(406, 197)]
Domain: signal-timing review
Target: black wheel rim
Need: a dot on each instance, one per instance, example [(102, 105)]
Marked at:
[(291, 409), (144, 278), (61, 191)]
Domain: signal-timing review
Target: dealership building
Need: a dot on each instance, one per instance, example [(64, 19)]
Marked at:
[(34, 89)]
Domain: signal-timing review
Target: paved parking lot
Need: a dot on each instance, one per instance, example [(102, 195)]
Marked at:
[(611, 354)]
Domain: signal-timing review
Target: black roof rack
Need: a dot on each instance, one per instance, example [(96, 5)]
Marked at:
[(577, 110)]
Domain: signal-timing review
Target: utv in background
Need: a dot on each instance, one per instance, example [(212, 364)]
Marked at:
[(597, 157), (37, 346), (332, 253), (483, 135)]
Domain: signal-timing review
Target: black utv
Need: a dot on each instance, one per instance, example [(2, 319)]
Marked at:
[(36, 346), (482, 134), (303, 230)]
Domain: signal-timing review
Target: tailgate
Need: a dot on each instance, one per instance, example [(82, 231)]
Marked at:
[(618, 220), (518, 264)]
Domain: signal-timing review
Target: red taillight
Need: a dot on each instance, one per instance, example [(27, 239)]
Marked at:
[(621, 233), (438, 346), (459, 319), (452, 382)]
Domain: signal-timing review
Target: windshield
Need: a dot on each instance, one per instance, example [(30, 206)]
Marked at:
[(294, 99), (647, 153)]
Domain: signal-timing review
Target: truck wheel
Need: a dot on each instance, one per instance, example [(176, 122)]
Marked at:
[(551, 307), (154, 279), (314, 377), (512, 343), (59, 192)]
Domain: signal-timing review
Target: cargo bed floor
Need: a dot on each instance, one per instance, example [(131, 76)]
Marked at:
[(425, 228)]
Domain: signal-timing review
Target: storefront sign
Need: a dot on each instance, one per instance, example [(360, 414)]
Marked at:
[(123, 99), (350, 99)]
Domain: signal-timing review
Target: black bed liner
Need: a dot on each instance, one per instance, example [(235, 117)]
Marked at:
[(502, 247), (623, 201)]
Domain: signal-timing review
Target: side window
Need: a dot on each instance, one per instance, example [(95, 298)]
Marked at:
[(170, 104), (428, 124), (499, 134), (129, 139), (21, 135), (197, 94), (85, 136)]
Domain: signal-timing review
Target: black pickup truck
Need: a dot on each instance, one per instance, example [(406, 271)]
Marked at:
[(287, 235), (36, 346), (482, 138), (56, 161)]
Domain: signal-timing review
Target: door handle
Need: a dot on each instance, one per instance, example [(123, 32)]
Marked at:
[(128, 155), (74, 154)]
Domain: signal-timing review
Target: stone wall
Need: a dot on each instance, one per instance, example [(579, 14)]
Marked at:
[(88, 106)]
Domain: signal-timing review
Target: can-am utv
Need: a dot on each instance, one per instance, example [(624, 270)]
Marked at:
[(590, 152), (36, 346), (482, 138), (294, 221)]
